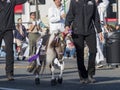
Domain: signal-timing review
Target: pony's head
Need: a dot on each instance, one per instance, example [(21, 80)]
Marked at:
[(58, 40), (58, 43)]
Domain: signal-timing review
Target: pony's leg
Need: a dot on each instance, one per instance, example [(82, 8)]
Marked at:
[(37, 71), (61, 69), (52, 71), (60, 64), (60, 78), (53, 79), (37, 79), (50, 55)]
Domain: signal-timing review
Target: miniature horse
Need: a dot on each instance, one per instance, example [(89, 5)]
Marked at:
[(54, 55), (53, 58)]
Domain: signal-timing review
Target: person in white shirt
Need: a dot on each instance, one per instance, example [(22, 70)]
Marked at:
[(70, 47), (102, 7), (56, 17)]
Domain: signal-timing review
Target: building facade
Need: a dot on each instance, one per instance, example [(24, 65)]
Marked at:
[(42, 8)]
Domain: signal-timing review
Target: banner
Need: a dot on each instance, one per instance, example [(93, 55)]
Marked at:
[(18, 9)]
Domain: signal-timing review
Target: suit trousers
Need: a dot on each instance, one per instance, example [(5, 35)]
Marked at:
[(79, 41), (7, 36)]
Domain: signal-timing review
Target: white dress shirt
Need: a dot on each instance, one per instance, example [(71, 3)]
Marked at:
[(102, 7), (55, 21)]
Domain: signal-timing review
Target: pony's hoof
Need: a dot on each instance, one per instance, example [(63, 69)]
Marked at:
[(53, 82), (37, 81), (60, 80)]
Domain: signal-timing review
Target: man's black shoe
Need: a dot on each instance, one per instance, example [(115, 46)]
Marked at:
[(91, 79), (10, 78)]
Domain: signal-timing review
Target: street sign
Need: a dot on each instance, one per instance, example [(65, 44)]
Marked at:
[(19, 9)]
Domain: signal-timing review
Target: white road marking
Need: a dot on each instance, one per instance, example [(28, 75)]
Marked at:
[(2, 88)]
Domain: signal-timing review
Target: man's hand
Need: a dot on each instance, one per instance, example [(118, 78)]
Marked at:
[(67, 28), (63, 16), (101, 37)]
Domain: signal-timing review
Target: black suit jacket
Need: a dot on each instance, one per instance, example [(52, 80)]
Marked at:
[(7, 14), (83, 16)]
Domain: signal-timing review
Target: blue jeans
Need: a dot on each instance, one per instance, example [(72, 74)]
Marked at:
[(71, 51)]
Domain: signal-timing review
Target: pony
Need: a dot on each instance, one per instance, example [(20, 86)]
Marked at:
[(48, 54), (54, 56)]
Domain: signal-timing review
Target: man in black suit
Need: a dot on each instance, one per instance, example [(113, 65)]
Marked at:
[(84, 17), (7, 26)]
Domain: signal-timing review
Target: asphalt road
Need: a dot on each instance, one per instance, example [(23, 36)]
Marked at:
[(107, 78)]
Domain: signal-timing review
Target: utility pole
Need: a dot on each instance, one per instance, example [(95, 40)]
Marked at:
[(37, 10), (64, 2)]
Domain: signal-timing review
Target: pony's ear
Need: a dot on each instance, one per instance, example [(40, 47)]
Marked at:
[(55, 34)]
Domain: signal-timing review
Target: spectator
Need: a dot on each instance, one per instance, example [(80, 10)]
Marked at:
[(33, 33), (102, 7), (56, 16), (99, 54), (70, 48), (117, 26), (20, 36)]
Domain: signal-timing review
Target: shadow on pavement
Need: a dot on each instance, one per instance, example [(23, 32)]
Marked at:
[(26, 82)]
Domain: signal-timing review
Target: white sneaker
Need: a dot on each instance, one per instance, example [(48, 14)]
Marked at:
[(71, 57), (65, 57), (99, 66)]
